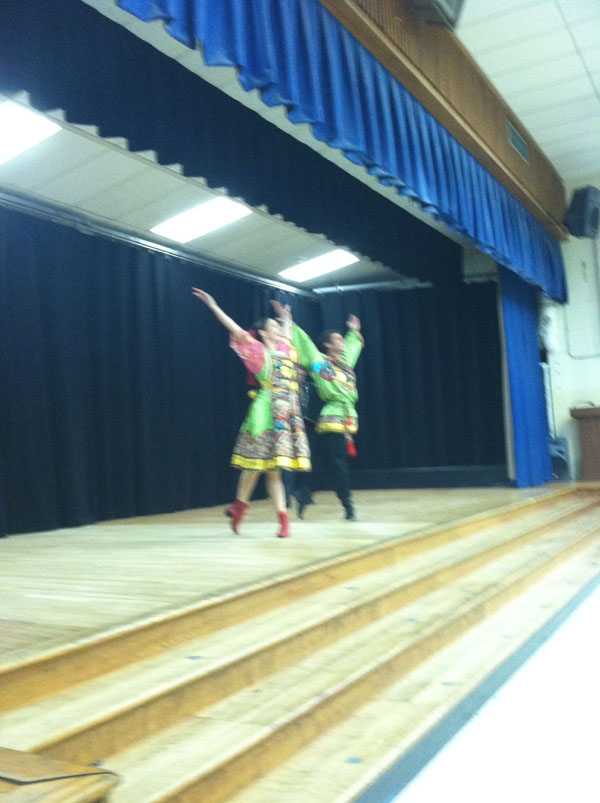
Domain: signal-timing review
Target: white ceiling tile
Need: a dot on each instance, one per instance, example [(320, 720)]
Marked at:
[(579, 10), (512, 26), (586, 34), (578, 164), (526, 52), (357, 273), (475, 11), (142, 189), (266, 246), (591, 59), (110, 168), (560, 147), (149, 215), (284, 257), (536, 76), (49, 160), (577, 109), (574, 131), (551, 94), (250, 233)]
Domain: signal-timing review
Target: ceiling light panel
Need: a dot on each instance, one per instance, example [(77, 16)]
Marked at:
[(201, 219), (21, 129), (326, 263)]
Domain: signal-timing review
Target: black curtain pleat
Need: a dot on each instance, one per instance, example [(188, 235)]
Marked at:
[(429, 378), (120, 395)]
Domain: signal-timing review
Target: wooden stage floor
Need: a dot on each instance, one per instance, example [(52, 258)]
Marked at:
[(60, 586)]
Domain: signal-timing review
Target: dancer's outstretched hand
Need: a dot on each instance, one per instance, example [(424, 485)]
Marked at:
[(353, 323), (205, 297)]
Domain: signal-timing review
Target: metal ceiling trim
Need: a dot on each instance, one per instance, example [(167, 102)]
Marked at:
[(400, 284), (87, 224)]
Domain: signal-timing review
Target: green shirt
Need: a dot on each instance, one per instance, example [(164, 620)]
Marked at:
[(340, 394)]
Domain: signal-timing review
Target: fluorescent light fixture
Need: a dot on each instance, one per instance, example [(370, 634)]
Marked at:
[(201, 219), (333, 260), (21, 129)]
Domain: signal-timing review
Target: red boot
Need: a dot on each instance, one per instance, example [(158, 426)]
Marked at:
[(284, 529), (236, 511)]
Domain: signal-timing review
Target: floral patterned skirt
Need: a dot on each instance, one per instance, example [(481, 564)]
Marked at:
[(273, 434), (272, 449)]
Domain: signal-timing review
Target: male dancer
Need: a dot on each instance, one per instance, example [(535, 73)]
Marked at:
[(338, 419)]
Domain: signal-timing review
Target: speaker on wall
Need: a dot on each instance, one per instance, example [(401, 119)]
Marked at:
[(583, 216)]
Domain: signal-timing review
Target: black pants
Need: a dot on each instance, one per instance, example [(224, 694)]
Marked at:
[(330, 465)]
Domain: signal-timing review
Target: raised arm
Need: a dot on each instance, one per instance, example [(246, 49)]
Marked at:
[(354, 341), (237, 331), (284, 316)]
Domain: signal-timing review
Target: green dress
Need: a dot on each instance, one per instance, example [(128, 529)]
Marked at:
[(272, 435), (339, 394)]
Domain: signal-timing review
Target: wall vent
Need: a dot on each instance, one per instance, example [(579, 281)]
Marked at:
[(517, 141)]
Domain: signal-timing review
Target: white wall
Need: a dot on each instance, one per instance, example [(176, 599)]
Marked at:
[(572, 336)]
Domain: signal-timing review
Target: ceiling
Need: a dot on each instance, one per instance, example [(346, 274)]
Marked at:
[(551, 83), (77, 171), (543, 57)]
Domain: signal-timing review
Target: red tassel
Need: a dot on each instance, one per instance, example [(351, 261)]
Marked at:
[(350, 447)]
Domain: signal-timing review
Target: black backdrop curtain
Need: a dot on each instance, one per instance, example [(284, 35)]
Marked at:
[(429, 378), (69, 56), (120, 395)]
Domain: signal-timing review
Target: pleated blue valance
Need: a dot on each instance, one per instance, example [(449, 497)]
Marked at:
[(298, 55)]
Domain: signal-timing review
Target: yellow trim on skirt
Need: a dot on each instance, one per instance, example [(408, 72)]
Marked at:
[(258, 464)]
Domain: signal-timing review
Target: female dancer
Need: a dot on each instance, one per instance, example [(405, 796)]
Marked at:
[(272, 436)]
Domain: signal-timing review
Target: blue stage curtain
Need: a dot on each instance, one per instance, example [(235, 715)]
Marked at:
[(299, 56), (530, 425)]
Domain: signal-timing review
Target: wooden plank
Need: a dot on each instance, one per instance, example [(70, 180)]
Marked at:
[(348, 758), (91, 722), (27, 777), (122, 561), (202, 761)]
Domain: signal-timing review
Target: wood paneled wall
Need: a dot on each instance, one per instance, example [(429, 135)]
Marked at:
[(433, 65)]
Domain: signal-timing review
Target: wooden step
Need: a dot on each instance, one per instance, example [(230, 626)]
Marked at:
[(394, 733), (26, 778), (93, 720), (33, 675), (215, 753)]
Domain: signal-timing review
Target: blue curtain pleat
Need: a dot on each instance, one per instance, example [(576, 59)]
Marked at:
[(530, 425), (299, 56)]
